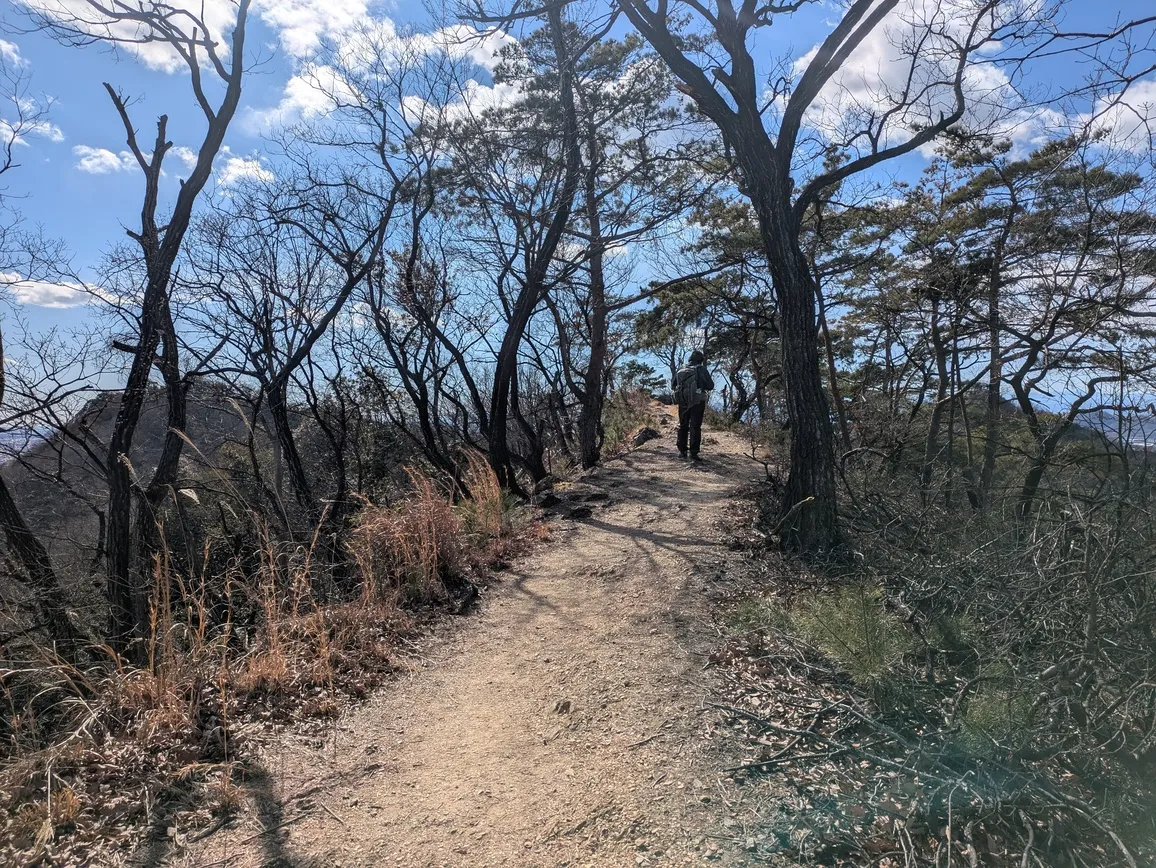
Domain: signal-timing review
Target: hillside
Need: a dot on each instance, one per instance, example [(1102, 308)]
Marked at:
[(59, 482)]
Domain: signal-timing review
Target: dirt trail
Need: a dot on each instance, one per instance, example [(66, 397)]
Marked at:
[(562, 725)]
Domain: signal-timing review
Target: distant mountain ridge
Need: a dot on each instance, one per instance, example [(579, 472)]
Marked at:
[(15, 441), (1135, 429), (58, 480)]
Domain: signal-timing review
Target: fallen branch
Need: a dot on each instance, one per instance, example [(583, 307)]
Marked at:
[(790, 514), (643, 741)]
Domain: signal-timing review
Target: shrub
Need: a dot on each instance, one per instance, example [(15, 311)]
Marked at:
[(851, 626), (625, 412), (413, 550)]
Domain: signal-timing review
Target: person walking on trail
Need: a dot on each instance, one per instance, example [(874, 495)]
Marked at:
[(692, 385)]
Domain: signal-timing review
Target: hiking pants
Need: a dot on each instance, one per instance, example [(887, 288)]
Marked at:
[(690, 426)]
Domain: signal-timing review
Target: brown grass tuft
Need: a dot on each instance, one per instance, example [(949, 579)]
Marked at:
[(408, 552)]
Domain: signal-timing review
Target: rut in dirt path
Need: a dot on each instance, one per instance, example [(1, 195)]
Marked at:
[(563, 725)]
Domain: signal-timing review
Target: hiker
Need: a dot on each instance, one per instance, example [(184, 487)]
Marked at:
[(692, 385)]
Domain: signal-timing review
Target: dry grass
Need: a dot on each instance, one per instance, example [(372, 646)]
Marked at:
[(485, 513), (228, 656), (626, 412), (408, 552)]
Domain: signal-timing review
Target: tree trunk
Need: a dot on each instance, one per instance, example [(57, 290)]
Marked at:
[(121, 590), (931, 444), (283, 429), (809, 521), (160, 246), (995, 369), (594, 393), (1030, 488), (534, 454), (150, 536), (535, 280), (33, 557), (832, 370), (743, 399)]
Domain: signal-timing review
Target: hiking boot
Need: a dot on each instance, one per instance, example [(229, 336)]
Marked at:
[(682, 455), (694, 459)]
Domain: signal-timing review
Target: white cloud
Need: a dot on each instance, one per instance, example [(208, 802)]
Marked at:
[(485, 49), (49, 130), (913, 50), (18, 134), (1128, 118), (301, 25), (43, 293), (28, 115), (460, 41), (101, 161), (313, 92), (186, 155), (240, 169), (474, 98), (371, 47), (218, 16), (10, 53), (480, 97)]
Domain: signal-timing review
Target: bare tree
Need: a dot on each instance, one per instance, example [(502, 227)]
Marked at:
[(275, 272), (24, 257), (534, 281), (186, 33)]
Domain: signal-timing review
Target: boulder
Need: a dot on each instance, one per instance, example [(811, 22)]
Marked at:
[(645, 435)]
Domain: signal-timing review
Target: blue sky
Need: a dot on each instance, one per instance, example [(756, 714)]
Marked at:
[(67, 180), (73, 181)]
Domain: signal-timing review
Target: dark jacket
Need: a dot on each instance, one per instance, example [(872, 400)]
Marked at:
[(702, 375)]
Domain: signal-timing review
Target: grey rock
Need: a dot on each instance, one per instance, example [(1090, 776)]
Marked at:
[(645, 436)]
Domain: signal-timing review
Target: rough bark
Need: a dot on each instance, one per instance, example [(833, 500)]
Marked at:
[(931, 443), (810, 515), (995, 362), (733, 96), (832, 369), (150, 535), (594, 389), (290, 455)]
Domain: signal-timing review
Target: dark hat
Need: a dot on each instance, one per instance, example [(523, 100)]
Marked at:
[(697, 357)]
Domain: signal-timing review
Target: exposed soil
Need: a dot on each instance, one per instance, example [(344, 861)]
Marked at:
[(564, 724)]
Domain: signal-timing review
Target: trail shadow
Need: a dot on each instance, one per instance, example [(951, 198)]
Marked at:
[(273, 838), (158, 846), (538, 601), (682, 545), (271, 814)]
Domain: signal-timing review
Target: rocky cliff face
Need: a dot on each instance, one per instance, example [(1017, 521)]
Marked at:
[(58, 478)]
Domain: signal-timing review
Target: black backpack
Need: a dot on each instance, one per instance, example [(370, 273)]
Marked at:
[(686, 390)]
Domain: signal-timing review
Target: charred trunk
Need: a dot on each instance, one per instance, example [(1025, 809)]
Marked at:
[(594, 392), (283, 429), (534, 286)]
